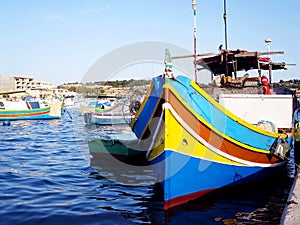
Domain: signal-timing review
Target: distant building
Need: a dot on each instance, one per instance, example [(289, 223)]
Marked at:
[(32, 87), (21, 83)]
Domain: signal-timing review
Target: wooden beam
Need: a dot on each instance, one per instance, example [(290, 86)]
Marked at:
[(242, 54), (190, 56)]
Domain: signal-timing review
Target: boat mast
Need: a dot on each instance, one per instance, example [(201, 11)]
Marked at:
[(194, 5), (268, 42), (225, 23), (227, 75)]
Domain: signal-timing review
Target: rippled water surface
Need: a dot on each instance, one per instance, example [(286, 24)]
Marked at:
[(47, 177)]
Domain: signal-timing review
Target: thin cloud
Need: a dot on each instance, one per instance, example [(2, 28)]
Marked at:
[(95, 10)]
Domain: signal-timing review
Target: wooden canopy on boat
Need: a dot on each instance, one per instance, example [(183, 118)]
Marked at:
[(229, 61)]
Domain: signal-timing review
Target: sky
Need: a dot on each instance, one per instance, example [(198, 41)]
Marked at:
[(60, 40)]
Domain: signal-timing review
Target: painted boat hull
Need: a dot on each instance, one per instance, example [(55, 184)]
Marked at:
[(124, 147), (116, 114), (198, 177), (46, 113), (107, 118), (196, 146)]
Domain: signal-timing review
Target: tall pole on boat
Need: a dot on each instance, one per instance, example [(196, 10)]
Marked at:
[(268, 42), (225, 23), (194, 5), (226, 47)]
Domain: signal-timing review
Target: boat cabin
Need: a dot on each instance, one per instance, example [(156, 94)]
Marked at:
[(250, 98)]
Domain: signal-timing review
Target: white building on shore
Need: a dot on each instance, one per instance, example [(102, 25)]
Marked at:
[(21, 86), (22, 83)]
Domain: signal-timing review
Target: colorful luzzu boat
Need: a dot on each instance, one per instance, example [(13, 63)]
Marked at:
[(23, 110), (197, 146), (103, 106), (119, 113)]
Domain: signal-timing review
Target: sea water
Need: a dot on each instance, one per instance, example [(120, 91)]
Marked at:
[(48, 177)]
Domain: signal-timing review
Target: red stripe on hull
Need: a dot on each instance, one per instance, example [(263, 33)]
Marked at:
[(184, 199), (24, 114)]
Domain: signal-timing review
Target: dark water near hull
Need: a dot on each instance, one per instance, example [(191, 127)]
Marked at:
[(47, 178)]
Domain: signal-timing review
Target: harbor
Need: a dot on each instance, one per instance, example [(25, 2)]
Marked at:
[(149, 132), (51, 179), (111, 180)]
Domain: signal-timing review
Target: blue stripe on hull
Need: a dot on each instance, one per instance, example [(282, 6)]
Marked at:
[(149, 106), (186, 175)]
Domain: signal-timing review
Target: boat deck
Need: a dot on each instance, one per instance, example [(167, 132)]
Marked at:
[(215, 92)]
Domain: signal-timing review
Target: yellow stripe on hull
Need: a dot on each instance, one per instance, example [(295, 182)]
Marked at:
[(178, 139)]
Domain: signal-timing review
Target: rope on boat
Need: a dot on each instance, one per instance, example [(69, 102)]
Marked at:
[(68, 113)]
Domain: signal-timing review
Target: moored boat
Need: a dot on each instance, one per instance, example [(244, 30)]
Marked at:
[(23, 110), (104, 105), (107, 118), (97, 105), (119, 113), (197, 146), (122, 146)]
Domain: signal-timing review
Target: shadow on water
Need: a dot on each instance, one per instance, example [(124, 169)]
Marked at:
[(257, 203)]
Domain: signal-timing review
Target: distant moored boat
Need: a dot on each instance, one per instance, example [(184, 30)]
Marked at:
[(23, 110)]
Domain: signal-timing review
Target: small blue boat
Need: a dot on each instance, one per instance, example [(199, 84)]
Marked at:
[(107, 118), (120, 113)]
